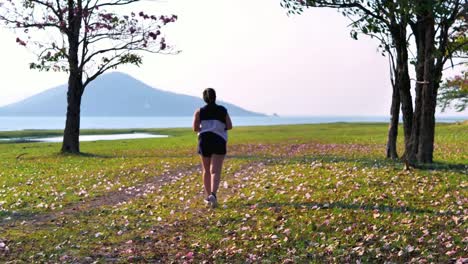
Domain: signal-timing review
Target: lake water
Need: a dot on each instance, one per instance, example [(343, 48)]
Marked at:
[(8, 123), (103, 137)]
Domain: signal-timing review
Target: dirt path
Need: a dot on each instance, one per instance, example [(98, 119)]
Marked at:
[(165, 240), (115, 198), (108, 199), (120, 196)]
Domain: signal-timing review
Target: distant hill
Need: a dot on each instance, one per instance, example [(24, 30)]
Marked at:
[(115, 94)]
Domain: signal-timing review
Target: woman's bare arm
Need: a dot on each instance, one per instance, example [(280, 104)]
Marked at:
[(228, 122), (196, 121)]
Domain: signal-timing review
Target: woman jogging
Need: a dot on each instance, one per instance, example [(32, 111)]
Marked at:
[(211, 122)]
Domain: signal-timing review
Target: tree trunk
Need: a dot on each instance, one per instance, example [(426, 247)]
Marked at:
[(429, 96), (403, 81), (393, 127), (406, 104), (71, 134), (412, 150)]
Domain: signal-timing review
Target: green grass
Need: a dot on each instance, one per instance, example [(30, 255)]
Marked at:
[(289, 194)]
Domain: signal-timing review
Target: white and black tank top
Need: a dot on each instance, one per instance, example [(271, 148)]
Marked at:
[(213, 119)]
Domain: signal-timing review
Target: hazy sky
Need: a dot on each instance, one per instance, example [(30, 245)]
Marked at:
[(251, 52)]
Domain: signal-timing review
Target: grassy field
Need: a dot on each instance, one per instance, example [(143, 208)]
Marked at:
[(289, 194)]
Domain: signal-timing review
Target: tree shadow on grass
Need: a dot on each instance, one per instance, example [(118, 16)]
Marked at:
[(383, 162), (10, 217), (24, 156), (353, 206), (326, 159), (91, 155), (363, 161), (445, 166)]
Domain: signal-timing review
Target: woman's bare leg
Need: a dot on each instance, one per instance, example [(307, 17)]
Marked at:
[(206, 162), (216, 166)]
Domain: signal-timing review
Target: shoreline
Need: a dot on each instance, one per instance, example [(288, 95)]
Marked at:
[(11, 124), (31, 135)]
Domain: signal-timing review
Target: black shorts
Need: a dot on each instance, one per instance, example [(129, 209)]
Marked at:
[(209, 143)]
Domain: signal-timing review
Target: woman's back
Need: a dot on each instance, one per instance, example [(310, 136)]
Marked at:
[(213, 119)]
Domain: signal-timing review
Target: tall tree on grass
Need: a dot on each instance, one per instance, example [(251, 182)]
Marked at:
[(387, 21), (439, 29), (83, 38)]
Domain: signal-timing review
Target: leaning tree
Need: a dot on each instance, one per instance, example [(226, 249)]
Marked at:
[(83, 38), (438, 29)]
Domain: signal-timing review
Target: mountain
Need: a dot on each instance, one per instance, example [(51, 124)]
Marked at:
[(115, 94)]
